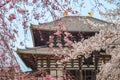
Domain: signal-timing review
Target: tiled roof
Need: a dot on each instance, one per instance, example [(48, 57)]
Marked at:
[(39, 50), (72, 23)]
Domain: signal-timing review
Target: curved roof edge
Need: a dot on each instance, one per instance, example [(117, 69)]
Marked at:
[(71, 23), (40, 50)]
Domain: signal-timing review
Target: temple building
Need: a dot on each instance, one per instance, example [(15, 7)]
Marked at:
[(42, 57)]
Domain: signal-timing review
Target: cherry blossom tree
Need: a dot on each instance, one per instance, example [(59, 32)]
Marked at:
[(16, 13), (107, 39)]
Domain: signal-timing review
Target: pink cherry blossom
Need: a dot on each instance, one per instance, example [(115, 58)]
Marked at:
[(11, 17)]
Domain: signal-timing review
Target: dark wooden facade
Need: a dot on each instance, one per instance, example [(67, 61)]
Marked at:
[(41, 57), (79, 69)]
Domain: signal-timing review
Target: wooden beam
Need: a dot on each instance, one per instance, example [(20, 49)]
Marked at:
[(96, 55), (48, 64), (80, 67)]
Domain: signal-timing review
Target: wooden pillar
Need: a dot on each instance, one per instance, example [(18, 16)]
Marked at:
[(41, 62), (64, 71), (96, 63), (48, 64), (34, 58), (103, 59), (80, 67), (56, 66), (72, 63)]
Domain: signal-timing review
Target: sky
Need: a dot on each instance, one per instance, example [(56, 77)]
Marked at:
[(27, 39)]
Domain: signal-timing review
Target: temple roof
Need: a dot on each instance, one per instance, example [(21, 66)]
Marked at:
[(39, 50), (44, 51), (72, 23)]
